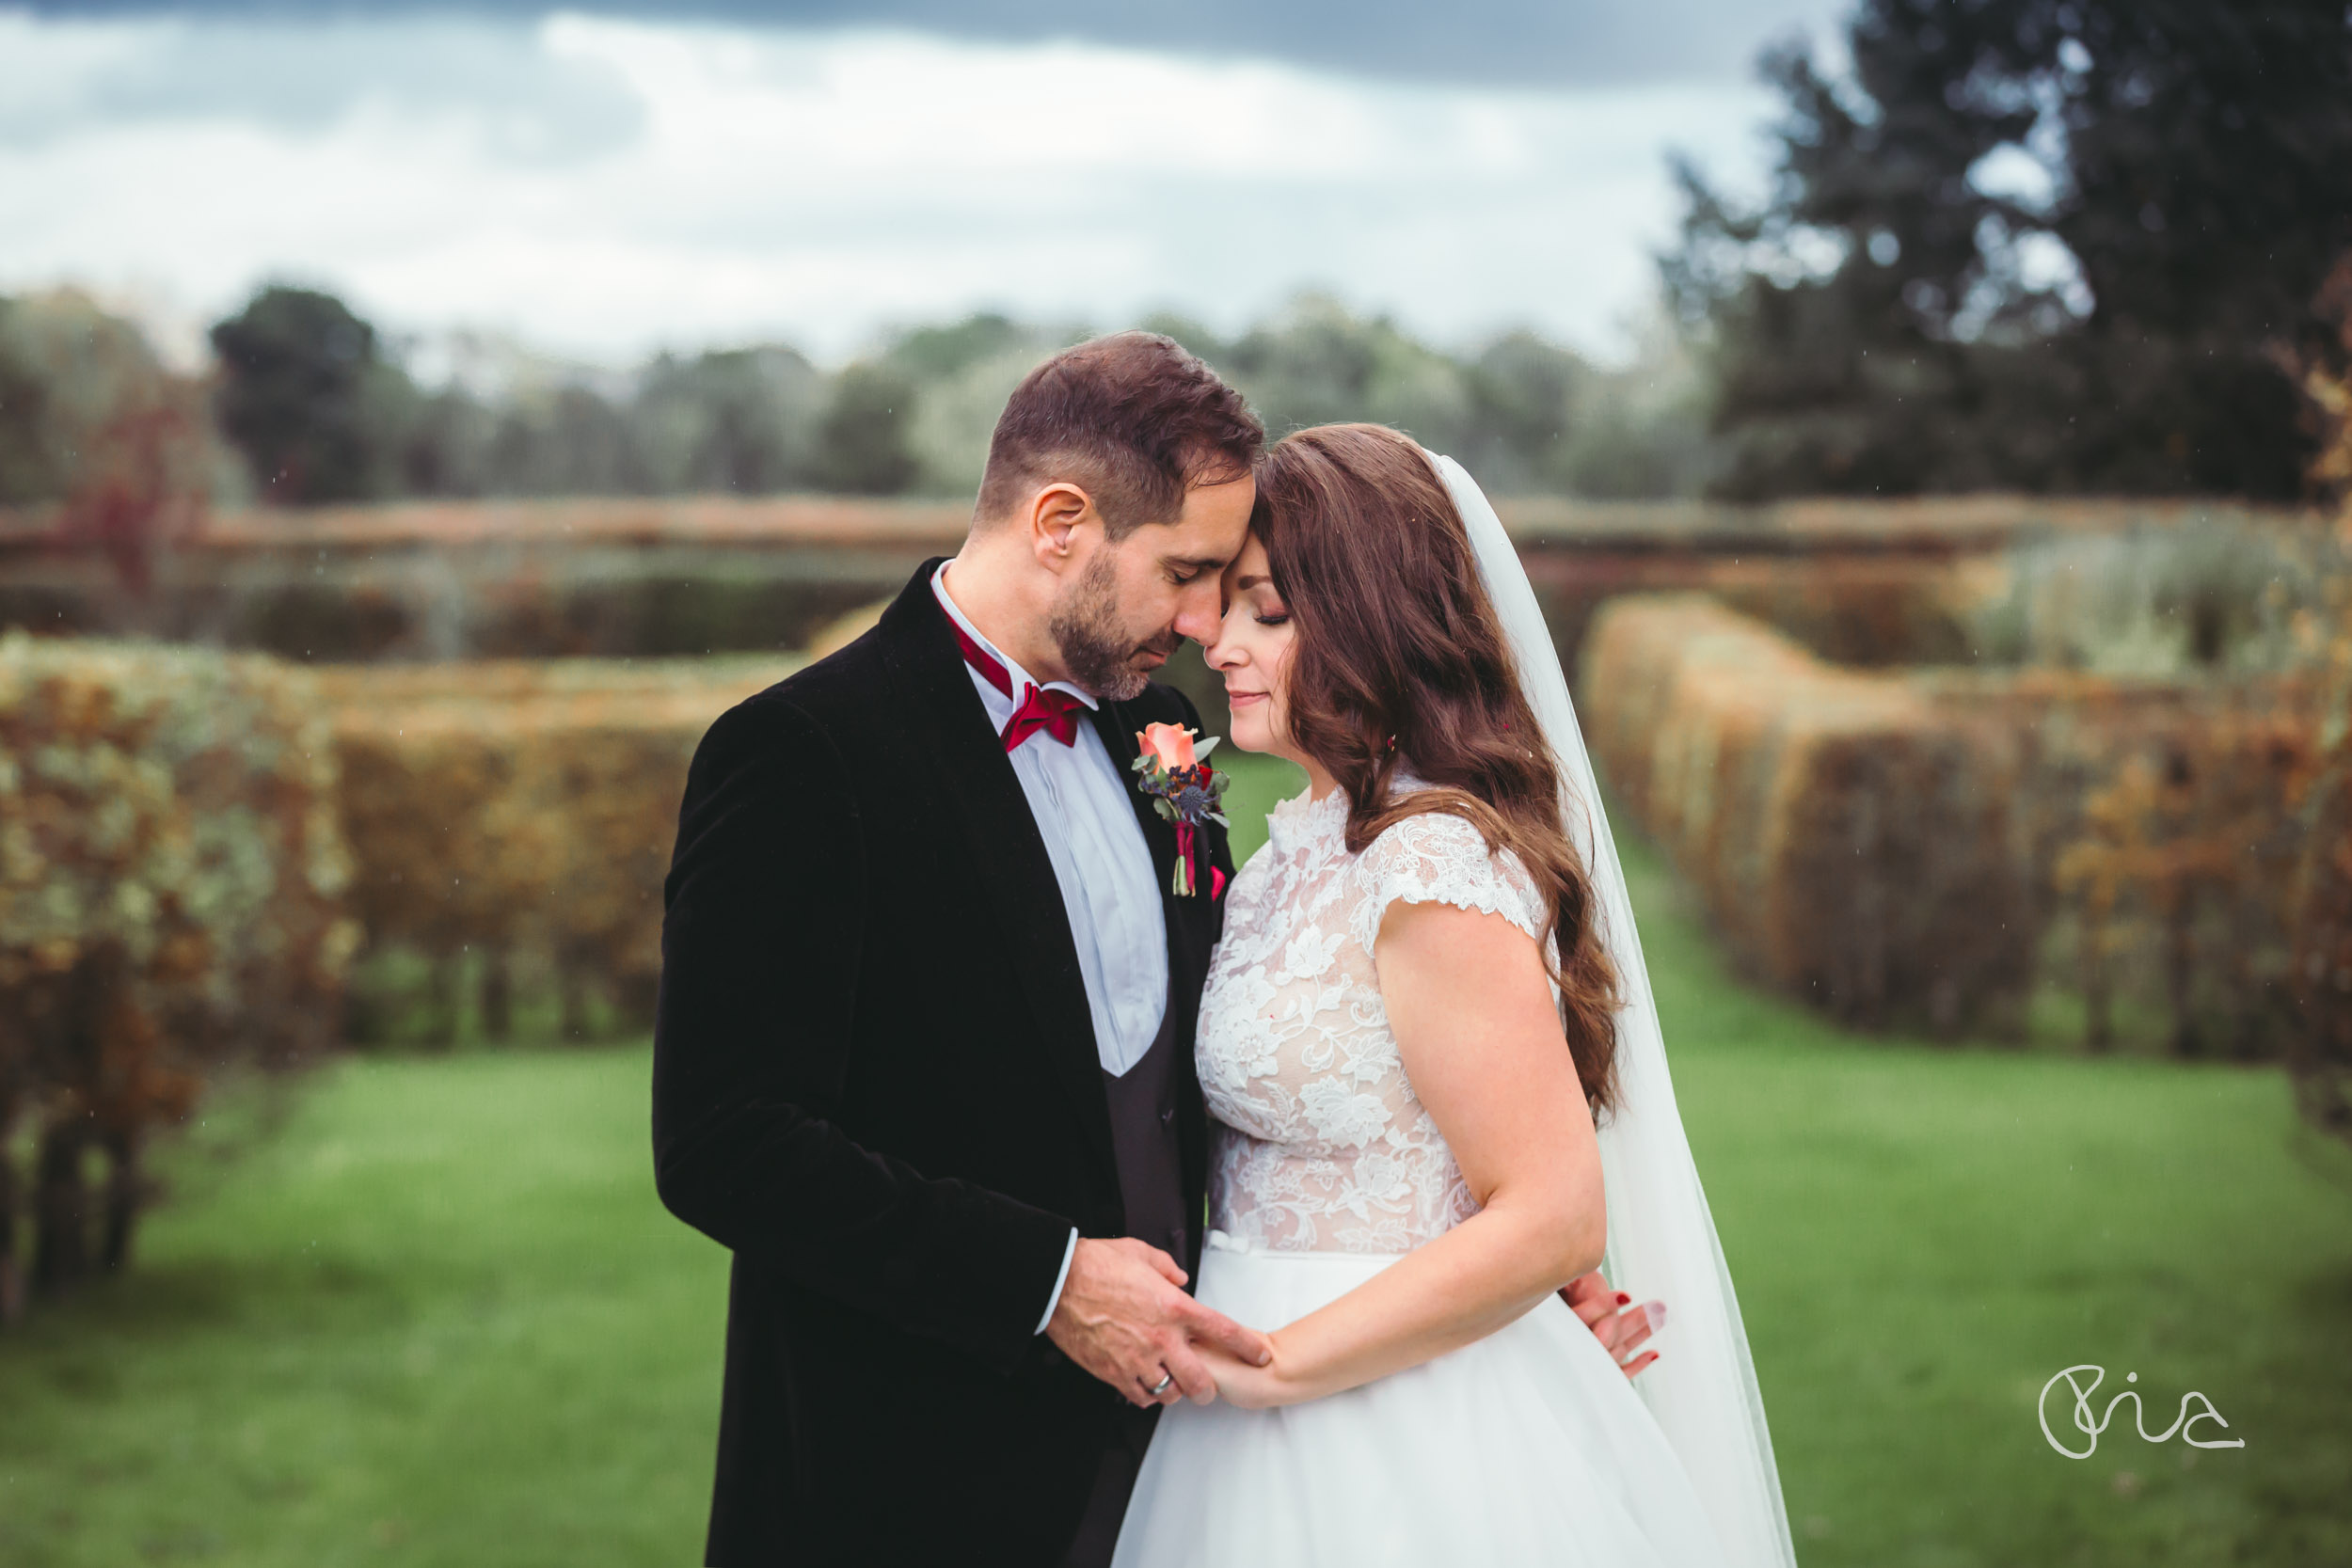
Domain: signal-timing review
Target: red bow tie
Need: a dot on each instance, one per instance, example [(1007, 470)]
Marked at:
[(1055, 712)]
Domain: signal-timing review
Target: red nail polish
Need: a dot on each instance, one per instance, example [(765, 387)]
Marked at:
[(1624, 1300)]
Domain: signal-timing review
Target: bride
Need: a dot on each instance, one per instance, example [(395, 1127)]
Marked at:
[(1428, 1044)]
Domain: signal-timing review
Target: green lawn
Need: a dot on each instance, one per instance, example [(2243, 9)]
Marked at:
[(437, 1316)]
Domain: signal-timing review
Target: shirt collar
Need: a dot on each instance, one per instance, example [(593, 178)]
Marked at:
[(1000, 706)]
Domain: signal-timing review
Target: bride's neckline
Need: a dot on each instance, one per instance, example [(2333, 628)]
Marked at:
[(1302, 819)]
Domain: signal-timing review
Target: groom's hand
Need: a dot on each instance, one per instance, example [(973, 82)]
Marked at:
[(1124, 1316)]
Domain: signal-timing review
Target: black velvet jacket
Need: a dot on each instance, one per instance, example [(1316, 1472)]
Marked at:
[(875, 1080)]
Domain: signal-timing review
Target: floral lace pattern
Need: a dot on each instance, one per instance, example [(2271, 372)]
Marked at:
[(1320, 1143)]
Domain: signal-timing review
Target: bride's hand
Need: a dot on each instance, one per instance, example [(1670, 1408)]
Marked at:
[(1615, 1323), (1240, 1384)]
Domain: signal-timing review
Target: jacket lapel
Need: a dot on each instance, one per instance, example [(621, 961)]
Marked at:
[(1118, 724), (1118, 728), (1025, 904)]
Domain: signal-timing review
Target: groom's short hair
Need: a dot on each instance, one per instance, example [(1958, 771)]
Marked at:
[(1133, 418)]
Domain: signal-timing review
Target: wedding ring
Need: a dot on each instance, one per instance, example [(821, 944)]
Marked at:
[(1162, 1386)]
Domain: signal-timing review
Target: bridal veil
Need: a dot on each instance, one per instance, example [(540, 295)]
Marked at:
[(1661, 1239)]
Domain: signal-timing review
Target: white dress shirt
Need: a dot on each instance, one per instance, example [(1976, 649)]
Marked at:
[(1109, 890)]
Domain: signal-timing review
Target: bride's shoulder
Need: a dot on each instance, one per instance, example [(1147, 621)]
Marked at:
[(1426, 849), (1440, 856)]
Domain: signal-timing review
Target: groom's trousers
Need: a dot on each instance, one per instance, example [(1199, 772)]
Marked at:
[(1151, 1188)]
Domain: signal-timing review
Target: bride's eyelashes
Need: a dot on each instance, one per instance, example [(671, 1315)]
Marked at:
[(1274, 618)]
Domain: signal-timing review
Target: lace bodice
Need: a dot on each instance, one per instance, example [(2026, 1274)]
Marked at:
[(1320, 1143)]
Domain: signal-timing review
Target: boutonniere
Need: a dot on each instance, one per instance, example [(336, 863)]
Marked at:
[(1184, 790)]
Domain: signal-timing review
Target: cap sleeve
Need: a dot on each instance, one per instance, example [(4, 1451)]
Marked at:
[(1438, 858)]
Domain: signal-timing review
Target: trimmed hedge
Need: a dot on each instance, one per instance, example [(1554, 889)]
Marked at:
[(1861, 582), (171, 870), (194, 846), (2163, 822), (519, 810), (1931, 847), (1849, 836), (2320, 1056)]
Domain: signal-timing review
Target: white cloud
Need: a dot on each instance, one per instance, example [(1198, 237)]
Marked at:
[(603, 186)]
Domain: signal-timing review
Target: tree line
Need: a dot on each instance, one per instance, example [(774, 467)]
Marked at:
[(321, 412), (308, 403), (2071, 246)]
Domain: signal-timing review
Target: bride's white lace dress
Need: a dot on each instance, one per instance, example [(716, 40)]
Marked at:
[(1528, 1446)]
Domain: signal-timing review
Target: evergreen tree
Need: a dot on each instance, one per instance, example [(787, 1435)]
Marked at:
[(1904, 313), (307, 396)]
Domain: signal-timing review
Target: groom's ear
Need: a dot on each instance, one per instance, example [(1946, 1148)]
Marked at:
[(1057, 517)]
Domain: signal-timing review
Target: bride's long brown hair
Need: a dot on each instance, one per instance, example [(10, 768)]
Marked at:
[(1400, 662)]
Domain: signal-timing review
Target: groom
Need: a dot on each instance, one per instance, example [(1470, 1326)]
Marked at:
[(922, 1056)]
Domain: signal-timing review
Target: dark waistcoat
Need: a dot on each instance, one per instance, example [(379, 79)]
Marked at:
[(1145, 1144)]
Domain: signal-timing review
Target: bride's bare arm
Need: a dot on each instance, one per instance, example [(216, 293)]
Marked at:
[(1468, 998)]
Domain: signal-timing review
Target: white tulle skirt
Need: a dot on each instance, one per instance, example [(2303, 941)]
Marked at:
[(1527, 1448)]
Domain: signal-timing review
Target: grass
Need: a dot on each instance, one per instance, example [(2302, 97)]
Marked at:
[(435, 1317), (431, 1313), (1922, 1237)]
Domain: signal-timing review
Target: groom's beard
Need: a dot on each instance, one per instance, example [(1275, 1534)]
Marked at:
[(1098, 651)]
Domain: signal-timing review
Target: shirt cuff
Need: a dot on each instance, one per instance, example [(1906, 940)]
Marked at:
[(1060, 1279)]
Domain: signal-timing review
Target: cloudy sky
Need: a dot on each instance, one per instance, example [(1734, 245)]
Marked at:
[(604, 181)]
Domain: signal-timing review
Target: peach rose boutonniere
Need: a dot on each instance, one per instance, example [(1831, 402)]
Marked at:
[(1184, 790)]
